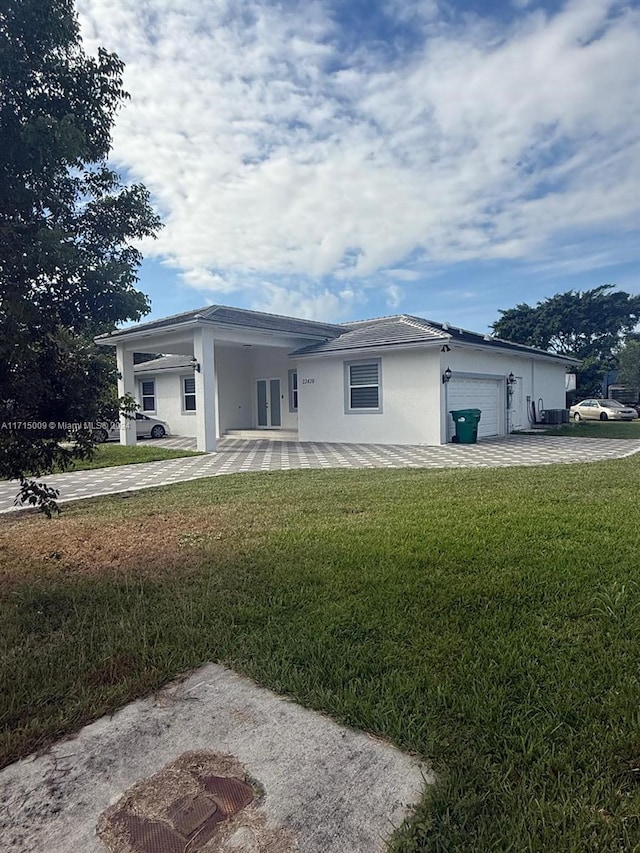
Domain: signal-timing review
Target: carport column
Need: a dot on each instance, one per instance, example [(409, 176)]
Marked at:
[(126, 385), (205, 388)]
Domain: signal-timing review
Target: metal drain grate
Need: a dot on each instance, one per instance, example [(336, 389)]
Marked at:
[(190, 813), (151, 836), (191, 821), (179, 809), (230, 794)]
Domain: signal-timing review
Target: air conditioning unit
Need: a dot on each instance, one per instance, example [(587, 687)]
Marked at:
[(555, 416)]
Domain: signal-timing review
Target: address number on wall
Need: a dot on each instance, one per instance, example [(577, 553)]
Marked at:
[(308, 381)]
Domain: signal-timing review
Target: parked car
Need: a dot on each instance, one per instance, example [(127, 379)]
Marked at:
[(602, 410), (145, 426)]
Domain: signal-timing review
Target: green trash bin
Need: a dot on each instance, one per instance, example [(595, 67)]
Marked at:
[(466, 421)]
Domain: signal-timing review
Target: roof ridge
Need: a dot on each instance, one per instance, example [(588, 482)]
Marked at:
[(269, 314), (421, 323), (208, 311), (451, 327), (409, 319), (212, 312), (373, 320), (179, 314)]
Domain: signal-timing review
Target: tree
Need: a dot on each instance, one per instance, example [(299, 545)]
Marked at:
[(629, 365), (68, 266), (589, 325)]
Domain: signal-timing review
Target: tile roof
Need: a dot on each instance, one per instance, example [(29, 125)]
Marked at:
[(407, 329), (397, 330), (383, 332), (227, 316), (165, 362), (465, 336)]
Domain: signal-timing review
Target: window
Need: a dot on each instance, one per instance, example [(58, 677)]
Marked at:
[(148, 396), (363, 386), (188, 394), (293, 390)]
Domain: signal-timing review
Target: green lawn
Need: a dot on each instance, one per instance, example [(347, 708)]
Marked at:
[(108, 455), (598, 429), (488, 620)]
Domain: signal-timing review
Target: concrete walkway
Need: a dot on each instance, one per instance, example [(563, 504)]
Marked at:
[(243, 455)]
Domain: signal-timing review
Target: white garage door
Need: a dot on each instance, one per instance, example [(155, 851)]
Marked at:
[(483, 394)]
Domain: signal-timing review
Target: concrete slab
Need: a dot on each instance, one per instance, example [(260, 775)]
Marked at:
[(322, 788)]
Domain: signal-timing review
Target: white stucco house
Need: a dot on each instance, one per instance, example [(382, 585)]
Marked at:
[(391, 380)]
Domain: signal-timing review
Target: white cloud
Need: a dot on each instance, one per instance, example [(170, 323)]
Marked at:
[(412, 10), (273, 153), (403, 274), (201, 278), (394, 296), (307, 302)]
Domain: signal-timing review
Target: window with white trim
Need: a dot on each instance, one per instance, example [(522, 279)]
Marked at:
[(188, 394), (363, 387), (148, 394), (293, 390)]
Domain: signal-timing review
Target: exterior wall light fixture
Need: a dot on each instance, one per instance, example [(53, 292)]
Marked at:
[(446, 376), (195, 364)]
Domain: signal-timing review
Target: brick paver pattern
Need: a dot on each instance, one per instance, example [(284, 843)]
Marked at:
[(243, 455)]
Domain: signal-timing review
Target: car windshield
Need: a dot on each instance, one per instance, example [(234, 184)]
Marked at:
[(612, 404)]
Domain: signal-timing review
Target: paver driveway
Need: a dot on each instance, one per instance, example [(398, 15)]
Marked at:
[(241, 455)]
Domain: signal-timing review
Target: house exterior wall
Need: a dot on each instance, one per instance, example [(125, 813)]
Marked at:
[(536, 379), (414, 399), (410, 400), (237, 370), (169, 401), (548, 384), (273, 363), (234, 367)]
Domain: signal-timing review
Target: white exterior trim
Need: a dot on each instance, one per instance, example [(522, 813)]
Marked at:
[(348, 408), (126, 385), (203, 348)]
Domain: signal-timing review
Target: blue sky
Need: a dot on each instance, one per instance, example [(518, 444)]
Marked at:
[(348, 159)]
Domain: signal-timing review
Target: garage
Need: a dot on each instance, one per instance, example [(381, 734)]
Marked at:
[(484, 394)]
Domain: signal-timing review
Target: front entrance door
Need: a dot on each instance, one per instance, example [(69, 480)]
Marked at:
[(269, 413)]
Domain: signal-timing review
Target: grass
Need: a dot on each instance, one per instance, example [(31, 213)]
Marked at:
[(109, 455), (597, 429), (488, 620)]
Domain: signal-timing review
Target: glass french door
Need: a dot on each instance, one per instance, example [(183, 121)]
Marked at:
[(268, 398)]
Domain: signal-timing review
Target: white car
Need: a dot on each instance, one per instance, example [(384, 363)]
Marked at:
[(145, 426), (602, 410)]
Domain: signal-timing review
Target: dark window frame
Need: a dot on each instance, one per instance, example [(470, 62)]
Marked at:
[(145, 396), (188, 398), (293, 390)]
